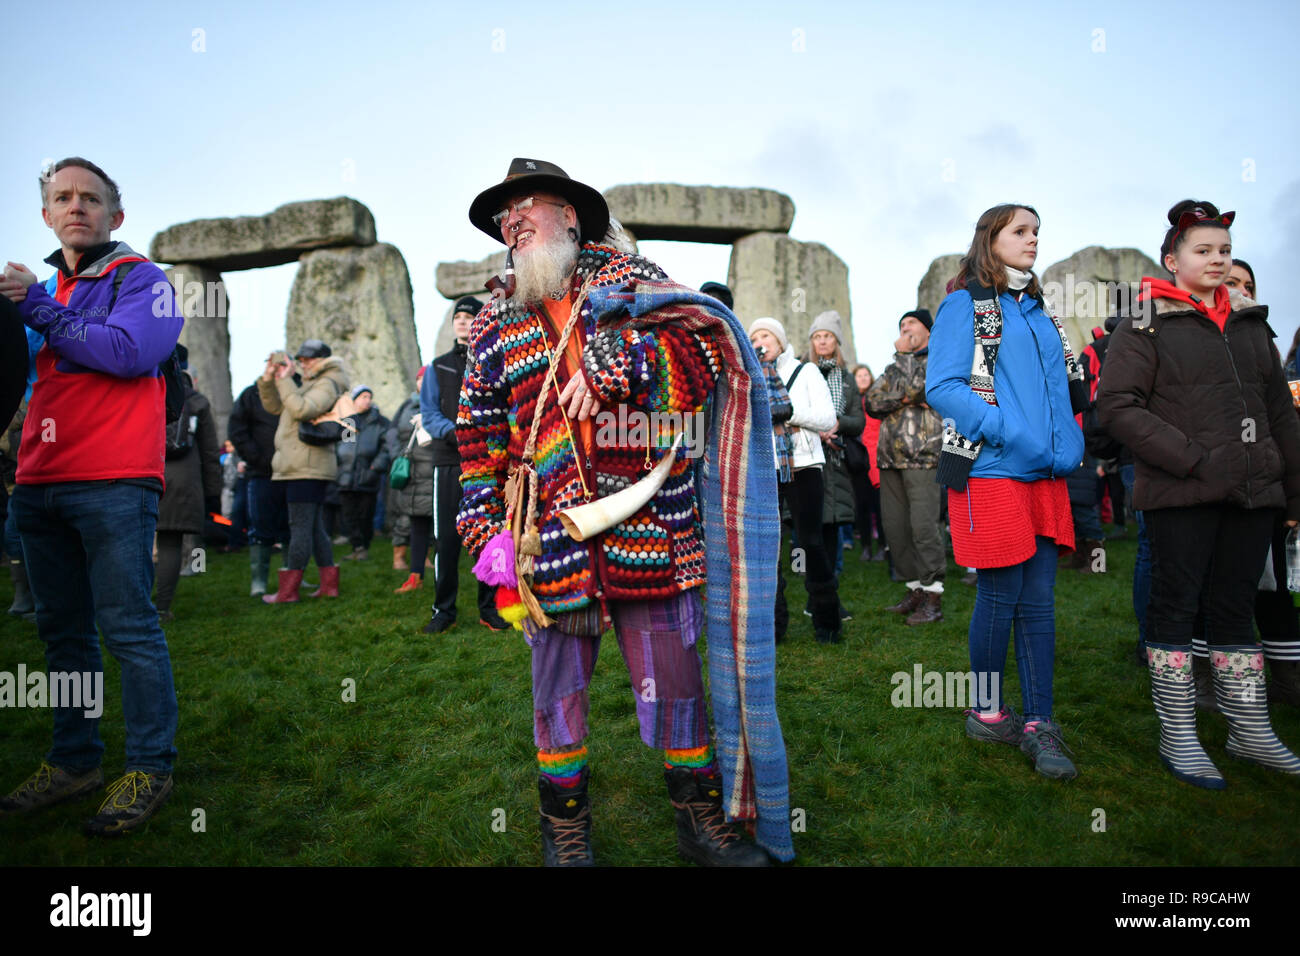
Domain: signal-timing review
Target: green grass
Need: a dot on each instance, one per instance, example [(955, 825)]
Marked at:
[(438, 744)]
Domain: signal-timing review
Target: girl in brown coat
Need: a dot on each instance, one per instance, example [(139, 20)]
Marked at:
[(1194, 387)]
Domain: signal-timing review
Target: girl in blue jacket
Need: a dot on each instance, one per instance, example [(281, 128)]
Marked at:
[(1010, 438)]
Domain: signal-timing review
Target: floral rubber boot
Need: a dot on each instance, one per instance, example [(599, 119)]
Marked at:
[(1173, 691), (1243, 700)]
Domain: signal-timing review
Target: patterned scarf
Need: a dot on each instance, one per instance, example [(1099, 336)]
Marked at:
[(742, 532), (959, 453), (830, 370)]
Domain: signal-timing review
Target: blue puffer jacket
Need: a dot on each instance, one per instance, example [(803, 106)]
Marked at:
[(1031, 433)]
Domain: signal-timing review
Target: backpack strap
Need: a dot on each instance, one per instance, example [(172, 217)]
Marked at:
[(793, 375)]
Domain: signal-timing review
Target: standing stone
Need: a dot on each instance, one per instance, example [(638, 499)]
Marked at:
[(719, 214), (248, 242), (1082, 288), (932, 289), (792, 281), (358, 300), (462, 277), (201, 294)]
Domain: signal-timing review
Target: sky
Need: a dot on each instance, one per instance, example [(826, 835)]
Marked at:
[(892, 126)]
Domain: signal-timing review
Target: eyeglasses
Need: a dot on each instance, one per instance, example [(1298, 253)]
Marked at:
[(521, 206)]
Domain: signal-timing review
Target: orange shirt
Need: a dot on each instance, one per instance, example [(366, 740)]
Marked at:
[(557, 316)]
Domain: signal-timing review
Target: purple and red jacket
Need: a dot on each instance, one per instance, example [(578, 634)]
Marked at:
[(98, 409)]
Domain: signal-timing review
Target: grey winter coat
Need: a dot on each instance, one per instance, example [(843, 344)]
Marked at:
[(195, 476), (417, 497)]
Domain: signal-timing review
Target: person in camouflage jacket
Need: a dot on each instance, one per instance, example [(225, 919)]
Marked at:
[(911, 435)]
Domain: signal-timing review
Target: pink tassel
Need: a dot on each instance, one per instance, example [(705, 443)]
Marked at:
[(496, 565)]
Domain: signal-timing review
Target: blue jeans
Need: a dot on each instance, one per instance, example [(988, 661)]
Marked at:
[(1142, 566), (88, 546), (1021, 595)]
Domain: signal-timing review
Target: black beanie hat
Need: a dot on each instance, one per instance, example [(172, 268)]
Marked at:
[(468, 304), (921, 315)]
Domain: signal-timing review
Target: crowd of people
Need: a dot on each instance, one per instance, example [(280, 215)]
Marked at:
[(986, 433)]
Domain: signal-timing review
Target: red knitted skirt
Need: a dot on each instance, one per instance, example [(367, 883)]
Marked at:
[(995, 521)]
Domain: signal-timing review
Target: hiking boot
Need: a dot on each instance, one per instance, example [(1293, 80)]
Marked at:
[(566, 823), (1043, 745), (908, 604), (131, 801), (1007, 729), (439, 623), (50, 785), (928, 611), (703, 834)]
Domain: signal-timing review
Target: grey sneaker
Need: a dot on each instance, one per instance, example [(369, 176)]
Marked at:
[(50, 785), (1008, 730), (131, 801), (1043, 745)]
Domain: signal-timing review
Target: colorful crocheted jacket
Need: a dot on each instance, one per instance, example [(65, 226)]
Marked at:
[(657, 552)]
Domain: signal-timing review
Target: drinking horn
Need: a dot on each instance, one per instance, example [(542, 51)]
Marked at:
[(584, 521)]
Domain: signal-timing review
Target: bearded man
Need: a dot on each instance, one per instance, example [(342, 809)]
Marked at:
[(619, 333)]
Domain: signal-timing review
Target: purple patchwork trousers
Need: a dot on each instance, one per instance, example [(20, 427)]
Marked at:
[(657, 639)]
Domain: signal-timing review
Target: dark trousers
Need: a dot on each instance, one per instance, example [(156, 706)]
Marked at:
[(1209, 556), (268, 512), (168, 571), (446, 547), (909, 500), (236, 536), (867, 497), (357, 514), (804, 496)]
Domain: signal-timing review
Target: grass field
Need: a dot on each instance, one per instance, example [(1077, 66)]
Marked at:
[(433, 763)]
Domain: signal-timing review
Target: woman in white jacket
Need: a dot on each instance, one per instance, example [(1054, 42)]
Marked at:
[(801, 410)]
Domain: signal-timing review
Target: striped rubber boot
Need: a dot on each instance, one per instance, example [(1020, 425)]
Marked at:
[(1243, 700), (1173, 691)]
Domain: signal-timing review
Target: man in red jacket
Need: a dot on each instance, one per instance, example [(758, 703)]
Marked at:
[(89, 477)]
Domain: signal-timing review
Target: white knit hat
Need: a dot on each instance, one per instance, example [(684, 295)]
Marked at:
[(768, 324)]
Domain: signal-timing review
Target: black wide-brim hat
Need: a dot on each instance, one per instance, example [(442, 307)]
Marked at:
[(537, 175)]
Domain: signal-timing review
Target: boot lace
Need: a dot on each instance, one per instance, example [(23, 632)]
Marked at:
[(711, 822), (1048, 737), (570, 837)]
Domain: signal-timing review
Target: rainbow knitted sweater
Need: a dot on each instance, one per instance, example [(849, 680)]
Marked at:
[(664, 370)]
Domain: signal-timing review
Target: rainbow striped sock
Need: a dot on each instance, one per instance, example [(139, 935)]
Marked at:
[(699, 759), (563, 769)]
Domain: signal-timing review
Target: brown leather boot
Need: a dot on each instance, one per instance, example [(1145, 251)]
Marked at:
[(288, 590), (928, 611), (908, 604), (399, 558)]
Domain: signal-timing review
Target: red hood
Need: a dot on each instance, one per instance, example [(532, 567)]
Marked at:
[(1164, 289)]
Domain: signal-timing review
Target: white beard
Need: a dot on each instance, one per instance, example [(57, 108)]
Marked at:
[(543, 267)]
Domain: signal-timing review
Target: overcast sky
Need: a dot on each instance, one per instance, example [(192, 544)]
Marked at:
[(892, 126)]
